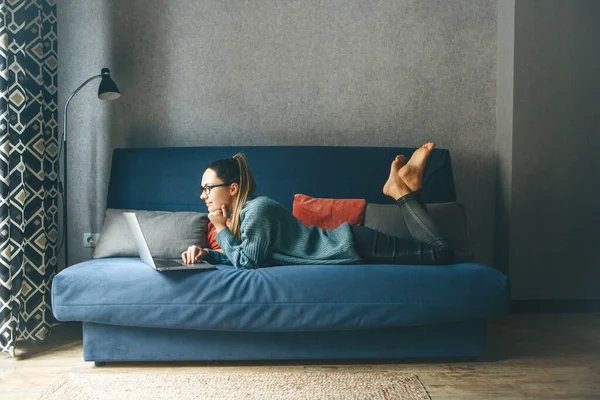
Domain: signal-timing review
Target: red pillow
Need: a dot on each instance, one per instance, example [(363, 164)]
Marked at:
[(211, 236), (328, 213)]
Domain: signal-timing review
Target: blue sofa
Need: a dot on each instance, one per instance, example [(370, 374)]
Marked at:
[(132, 313)]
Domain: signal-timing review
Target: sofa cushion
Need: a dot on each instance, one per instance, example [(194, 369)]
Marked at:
[(328, 213), (124, 291), (168, 178), (451, 218), (168, 234)]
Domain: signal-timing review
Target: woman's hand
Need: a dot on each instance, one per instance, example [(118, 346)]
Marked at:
[(193, 254), (219, 218)]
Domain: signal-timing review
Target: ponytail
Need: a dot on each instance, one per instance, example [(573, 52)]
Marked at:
[(246, 188)]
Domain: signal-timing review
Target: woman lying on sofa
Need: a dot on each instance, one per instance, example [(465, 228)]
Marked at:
[(264, 233)]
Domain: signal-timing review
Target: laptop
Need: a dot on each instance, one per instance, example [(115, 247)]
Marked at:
[(159, 264)]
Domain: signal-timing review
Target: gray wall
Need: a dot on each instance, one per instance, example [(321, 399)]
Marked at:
[(504, 133), (555, 223), (510, 87), (362, 72)]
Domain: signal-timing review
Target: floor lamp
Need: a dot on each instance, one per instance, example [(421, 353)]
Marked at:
[(107, 90)]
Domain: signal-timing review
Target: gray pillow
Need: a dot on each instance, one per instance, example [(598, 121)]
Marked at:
[(451, 219), (168, 234)]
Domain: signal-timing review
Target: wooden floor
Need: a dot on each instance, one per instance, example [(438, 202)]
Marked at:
[(531, 356)]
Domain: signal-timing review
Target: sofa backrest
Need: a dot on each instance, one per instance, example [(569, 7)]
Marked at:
[(168, 178)]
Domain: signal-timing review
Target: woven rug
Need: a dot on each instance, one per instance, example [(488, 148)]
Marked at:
[(225, 385), (4, 372)]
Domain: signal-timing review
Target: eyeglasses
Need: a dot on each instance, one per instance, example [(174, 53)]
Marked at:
[(207, 188)]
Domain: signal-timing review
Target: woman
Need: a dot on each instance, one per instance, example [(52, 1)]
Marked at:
[(264, 233)]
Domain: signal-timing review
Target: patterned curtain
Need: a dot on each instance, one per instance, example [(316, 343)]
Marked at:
[(28, 169)]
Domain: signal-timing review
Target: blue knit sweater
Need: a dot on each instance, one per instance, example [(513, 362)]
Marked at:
[(271, 235)]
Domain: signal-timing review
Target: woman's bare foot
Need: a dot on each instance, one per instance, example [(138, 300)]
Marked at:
[(412, 172), (395, 186)]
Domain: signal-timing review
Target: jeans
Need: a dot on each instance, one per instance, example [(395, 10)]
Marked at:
[(425, 246)]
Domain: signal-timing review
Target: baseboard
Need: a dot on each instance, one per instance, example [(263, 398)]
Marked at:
[(555, 306)]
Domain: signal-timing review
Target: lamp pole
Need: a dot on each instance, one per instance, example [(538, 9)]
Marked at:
[(107, 91)]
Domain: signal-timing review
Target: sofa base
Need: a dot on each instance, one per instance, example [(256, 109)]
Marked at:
[(103, 343)]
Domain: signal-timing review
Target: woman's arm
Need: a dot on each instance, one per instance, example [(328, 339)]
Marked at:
[(254, 250), (216, 257)]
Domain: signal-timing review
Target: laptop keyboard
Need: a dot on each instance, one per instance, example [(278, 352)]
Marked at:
[(168, 263)]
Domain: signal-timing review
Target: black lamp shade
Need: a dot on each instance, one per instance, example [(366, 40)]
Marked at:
[(108, 89)]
